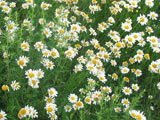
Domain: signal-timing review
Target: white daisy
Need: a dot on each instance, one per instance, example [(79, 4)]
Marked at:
[(72, 98)]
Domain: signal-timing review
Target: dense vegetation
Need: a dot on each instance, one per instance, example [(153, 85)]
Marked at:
[(80, 59)]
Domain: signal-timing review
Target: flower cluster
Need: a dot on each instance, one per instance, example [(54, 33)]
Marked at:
[(33, 77), (106, 50), (51, 107), (28, 112)]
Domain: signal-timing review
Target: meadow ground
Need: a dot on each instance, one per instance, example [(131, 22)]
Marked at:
[(80, 59)]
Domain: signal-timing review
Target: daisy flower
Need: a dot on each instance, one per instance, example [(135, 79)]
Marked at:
[(138, 73), (31, 74), (138, 58), (11, 26), (135, 87), (22, 113), (41, 21), (149, 3), (5, 88), (153, 15), (130, 39), (108, 89), (102, 78), (79, 104), (107, 98), (137, 115), (52, 92), (25, 46), (26, 22), (72, 98), (12, 4), (45, 6), (49, 64), (54, 53), (33, 83), (40, 73), (3, 3), (76, 27), (78, 68), (15, 85), (53, 116), (126, 27), (49, 99), (124, 70), (111, 20), (22, 61), (158, 86), (87, 100), (142, 19), (39, 46), (149, 30), (46, 53), (25, 6), (67, 108), (71, 52), (47, 32), (127, 90), (125, 102), (113, 62), (6, 9), (30, 2), (114, 76), (92, 32), (3, 115), (117, 109)]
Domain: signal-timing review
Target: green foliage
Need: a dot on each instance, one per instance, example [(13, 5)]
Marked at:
[(62, 77)]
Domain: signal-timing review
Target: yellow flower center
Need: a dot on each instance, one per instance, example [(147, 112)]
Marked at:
[(53, 116), (79, 104), (134, 87), (25, 6), (1, 116), (126, 102), (46, 32), (87, 100), (21, 62), (126, 27), (59, 12), (61, 31), (139, 117), (118, 44), (107, 90), (130, 39), (31, 75), (5, 9), (51, 92), (127, 90), (50, 64), (69, 53), (49, 100), (125, 70), (4, 87), (29, 1), (133, 114), (142, 19), (49, 109), (23, 111), (53, 53), (24, 46), (72, 98), (10, 27), (44, 6), (34, 82), (45, 53)]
